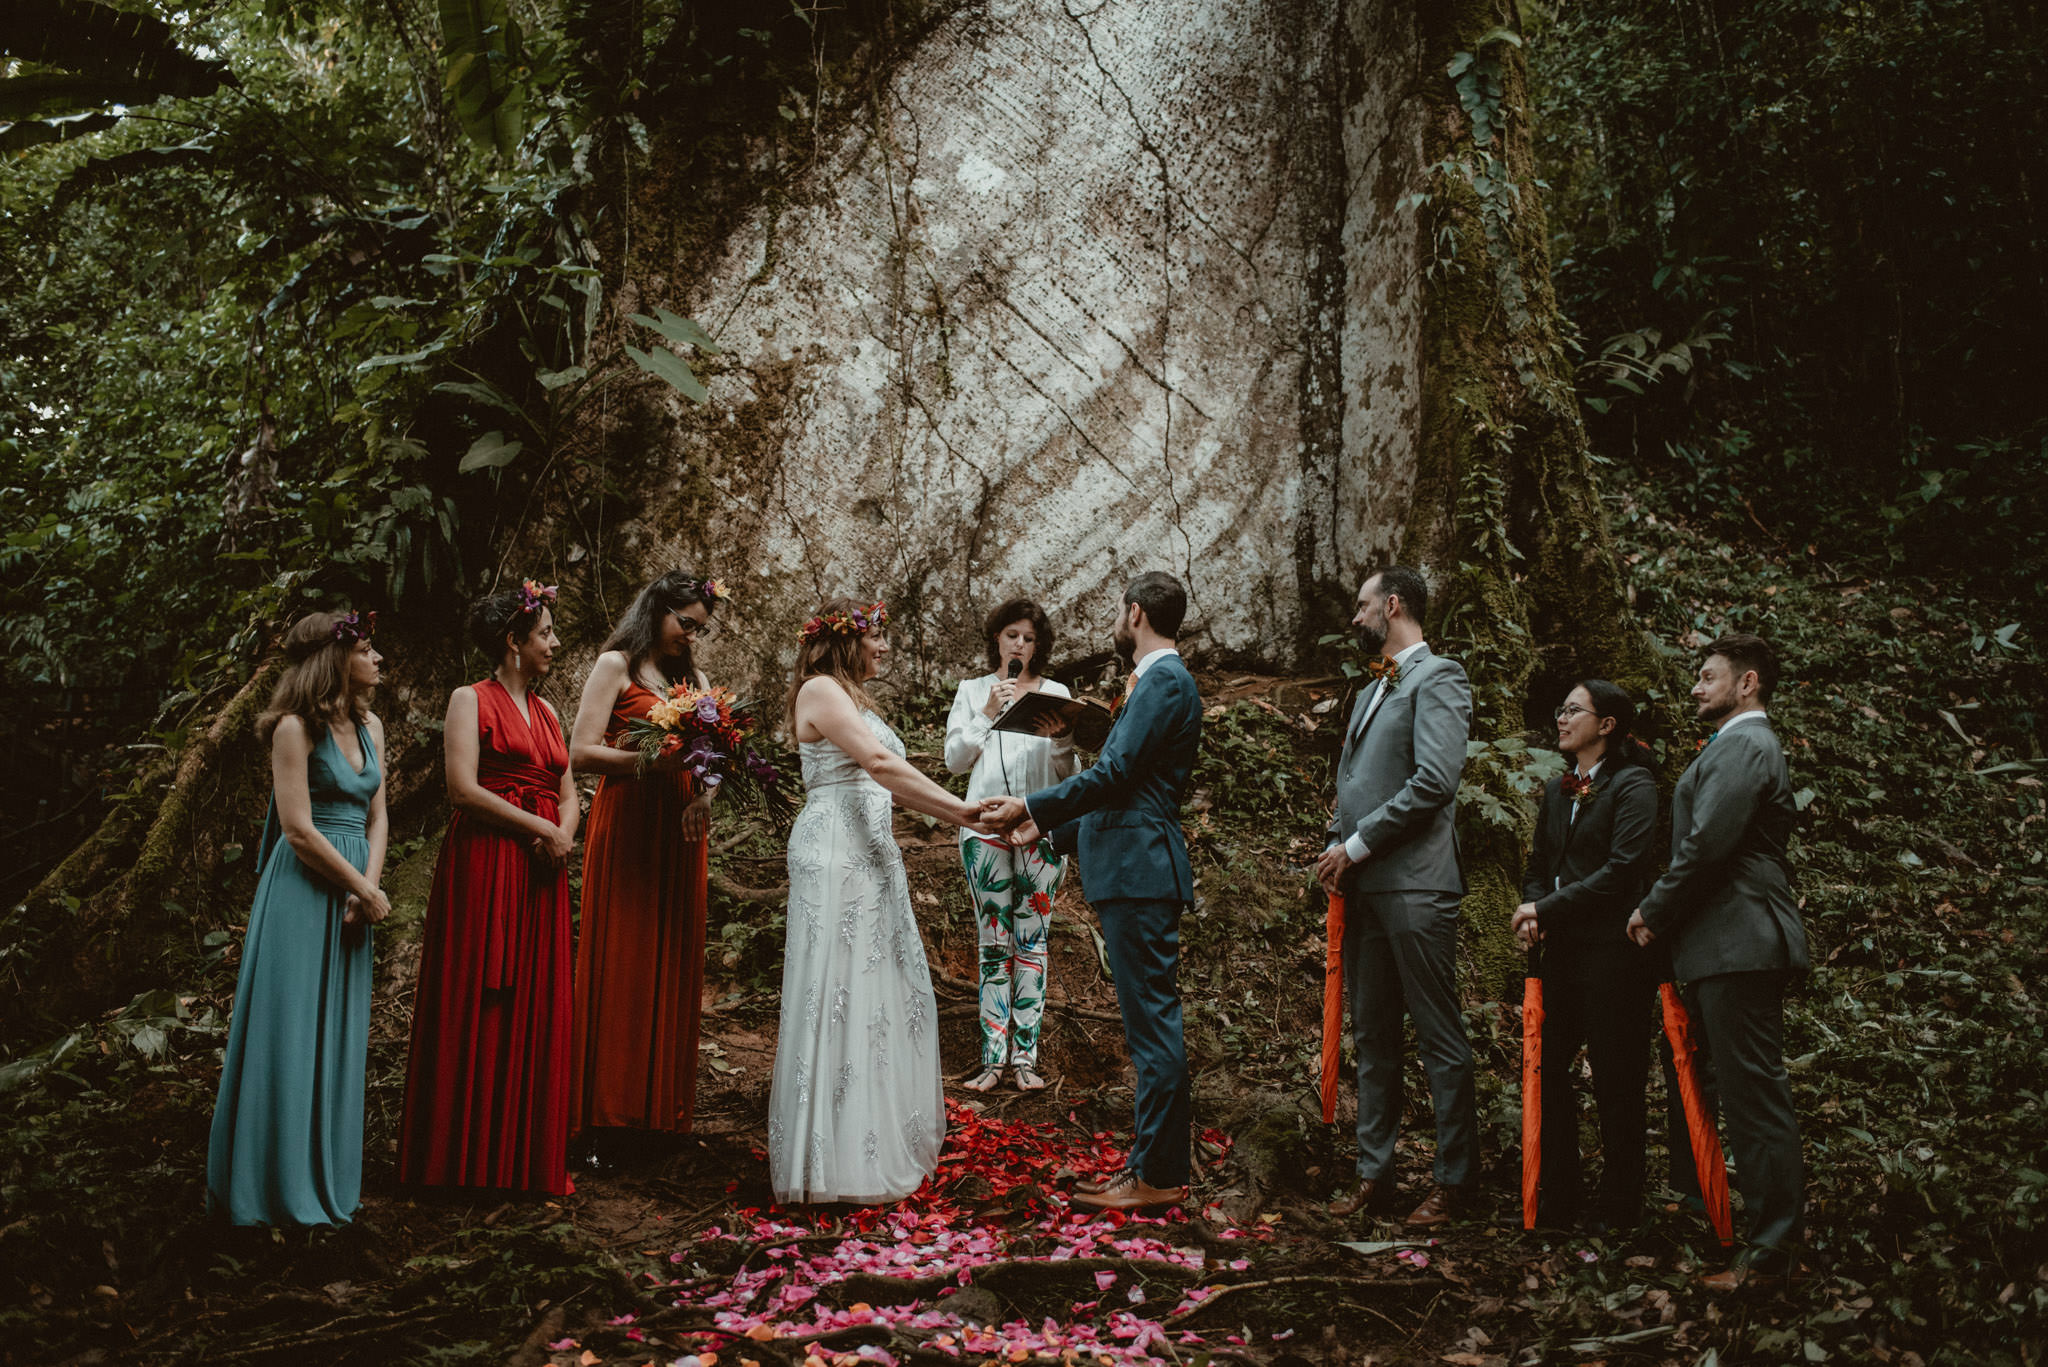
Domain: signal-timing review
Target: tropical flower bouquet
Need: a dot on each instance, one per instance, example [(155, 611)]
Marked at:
[(711, 728)]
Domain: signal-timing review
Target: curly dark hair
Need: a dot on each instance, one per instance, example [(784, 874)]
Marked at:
[(1019, 610), (497, 615)]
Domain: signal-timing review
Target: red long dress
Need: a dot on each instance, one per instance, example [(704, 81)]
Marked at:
[(487, 1086), (640, 968)]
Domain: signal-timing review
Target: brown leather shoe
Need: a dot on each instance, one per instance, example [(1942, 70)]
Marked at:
[(1443, 1203), (1131, 1192), (1095, 1186), (1374, 1194)]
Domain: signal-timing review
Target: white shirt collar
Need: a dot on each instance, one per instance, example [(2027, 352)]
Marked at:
[(1596, 767), (1147, 662), (1741, 717), (1402, 657)]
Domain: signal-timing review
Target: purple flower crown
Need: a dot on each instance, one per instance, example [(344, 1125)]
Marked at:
[(859, 622), (356, 626), (534, 595)]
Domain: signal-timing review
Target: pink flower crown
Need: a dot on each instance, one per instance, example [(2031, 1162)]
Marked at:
[(855, 623), (356, 626), (534, 595)]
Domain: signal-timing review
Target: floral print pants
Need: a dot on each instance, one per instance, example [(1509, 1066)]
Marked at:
[(1012, 890)]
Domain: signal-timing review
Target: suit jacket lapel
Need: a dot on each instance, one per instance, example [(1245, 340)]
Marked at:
[(1376, 698)]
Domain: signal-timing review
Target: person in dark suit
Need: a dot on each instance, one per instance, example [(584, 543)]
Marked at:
[(1121, 818), (1593, 859), (1393, 855), (1726, 910)]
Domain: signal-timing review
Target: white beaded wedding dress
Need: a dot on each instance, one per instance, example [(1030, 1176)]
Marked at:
[(857, 1108)]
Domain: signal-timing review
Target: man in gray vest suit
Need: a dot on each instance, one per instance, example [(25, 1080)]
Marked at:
[(1394, 856), (1727, 912)]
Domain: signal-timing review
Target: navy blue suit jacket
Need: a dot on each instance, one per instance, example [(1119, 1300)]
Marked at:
[(1121, 815)]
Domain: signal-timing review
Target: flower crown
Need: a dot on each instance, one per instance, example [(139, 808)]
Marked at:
[(534, 595), (357, 626), (855, 623), (713, 591)]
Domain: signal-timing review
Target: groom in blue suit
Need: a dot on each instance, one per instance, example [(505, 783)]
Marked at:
[(1121, 818)]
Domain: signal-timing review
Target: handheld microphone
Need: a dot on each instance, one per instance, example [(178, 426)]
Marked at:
[(1016, 668)]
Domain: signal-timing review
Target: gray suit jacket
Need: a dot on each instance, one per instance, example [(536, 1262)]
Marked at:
[(1726, 904), (1397, 781)]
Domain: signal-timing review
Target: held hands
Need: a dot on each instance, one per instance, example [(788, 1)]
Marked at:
[(1331, 867), (1638, 931), (1527, 931), (1003, 813), (361, 910), (1010, 818), (553, 848)]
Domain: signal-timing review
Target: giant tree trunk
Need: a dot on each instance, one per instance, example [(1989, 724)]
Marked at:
[(1062, 293)]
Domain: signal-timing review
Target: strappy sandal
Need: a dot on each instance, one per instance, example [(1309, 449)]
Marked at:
[(984, 1080), (1028, 1079)]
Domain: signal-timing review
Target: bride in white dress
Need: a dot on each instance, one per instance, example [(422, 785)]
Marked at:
[(857, 1108)]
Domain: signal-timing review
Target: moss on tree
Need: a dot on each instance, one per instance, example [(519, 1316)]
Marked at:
[(1506, 513)]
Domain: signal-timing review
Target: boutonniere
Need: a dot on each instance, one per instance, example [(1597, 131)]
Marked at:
[(1578, 787), (1387, 672), (1130, 685)]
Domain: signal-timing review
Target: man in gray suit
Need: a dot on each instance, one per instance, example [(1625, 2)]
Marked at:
[(1727, 912), (1394, 856)]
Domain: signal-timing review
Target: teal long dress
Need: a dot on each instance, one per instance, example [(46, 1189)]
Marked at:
[(287, 1145)]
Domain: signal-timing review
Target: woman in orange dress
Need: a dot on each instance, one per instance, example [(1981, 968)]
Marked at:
[(640, 966)]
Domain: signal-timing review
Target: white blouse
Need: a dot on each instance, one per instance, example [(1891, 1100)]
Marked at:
[(1002, 762)]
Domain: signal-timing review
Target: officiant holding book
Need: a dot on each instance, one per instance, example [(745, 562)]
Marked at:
[(1011, 888)]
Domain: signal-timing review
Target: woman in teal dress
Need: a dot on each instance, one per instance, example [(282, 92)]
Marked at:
[(287, 1145)]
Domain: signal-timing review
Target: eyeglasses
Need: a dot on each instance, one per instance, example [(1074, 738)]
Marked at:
[(694, 629), (1570, 710)]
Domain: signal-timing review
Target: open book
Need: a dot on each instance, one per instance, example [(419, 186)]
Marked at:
[(1089, 717)]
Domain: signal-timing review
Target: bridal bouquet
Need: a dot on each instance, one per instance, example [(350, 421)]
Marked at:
[(711, 728)]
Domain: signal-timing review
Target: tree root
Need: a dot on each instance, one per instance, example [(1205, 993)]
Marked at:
[(1224, 1289)]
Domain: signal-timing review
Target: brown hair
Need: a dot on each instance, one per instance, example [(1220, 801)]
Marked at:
[(1745, 652), (314, 687), (1020, 610), (833, 654)]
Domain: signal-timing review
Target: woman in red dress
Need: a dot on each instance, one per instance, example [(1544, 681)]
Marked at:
[(640, 967), (487, 1087)]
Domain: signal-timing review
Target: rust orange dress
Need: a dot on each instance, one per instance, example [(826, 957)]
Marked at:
[(640, 966)]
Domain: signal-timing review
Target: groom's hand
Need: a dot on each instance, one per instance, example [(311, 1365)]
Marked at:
[(1024, 833), (1638, 931), (1331, 867), (1004, 812)]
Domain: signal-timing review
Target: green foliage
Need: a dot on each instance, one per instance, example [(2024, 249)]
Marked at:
[(1913, 712), (483, 57), (1801, 241), (1253, 767)]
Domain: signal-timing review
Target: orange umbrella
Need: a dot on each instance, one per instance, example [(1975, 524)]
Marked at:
[(1333, 1002), (1532, 1086), (1706, 1140)]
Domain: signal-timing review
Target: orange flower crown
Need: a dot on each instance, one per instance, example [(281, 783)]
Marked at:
[(534, 595), (856, 623)]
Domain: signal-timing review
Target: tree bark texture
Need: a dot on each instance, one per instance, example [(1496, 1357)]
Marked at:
[(1068, 292)]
